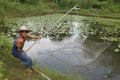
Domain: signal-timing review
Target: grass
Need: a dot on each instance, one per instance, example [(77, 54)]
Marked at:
[(14, 8), (11, 69)]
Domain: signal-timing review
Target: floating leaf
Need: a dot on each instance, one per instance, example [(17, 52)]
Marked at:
[(117, 50), (113, 39), (118, 45)]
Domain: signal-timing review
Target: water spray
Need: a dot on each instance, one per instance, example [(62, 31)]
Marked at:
[(73, 8)]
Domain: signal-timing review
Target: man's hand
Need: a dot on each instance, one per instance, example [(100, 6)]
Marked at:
[(40, 37)]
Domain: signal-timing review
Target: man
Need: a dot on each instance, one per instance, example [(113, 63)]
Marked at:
[(18, 46)]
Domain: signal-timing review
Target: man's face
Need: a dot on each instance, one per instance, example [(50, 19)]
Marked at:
[(24, 34)]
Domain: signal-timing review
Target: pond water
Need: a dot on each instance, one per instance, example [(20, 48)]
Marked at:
[(77, 54)]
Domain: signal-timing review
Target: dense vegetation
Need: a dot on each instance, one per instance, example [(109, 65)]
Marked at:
[(105, 29), (37, 7), (23, 8), (26, 8)]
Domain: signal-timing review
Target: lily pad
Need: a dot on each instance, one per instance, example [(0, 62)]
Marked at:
[(117, 50), (118, 45)]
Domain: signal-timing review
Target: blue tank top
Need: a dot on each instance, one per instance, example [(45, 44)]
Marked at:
[(14, 48)]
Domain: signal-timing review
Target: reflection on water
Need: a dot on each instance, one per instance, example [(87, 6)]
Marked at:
[(71, 51), (105, 67), (77, 55)]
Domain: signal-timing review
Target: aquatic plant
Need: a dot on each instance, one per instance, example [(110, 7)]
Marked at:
[(118, 48), (100, 28), (39, 25), (105, 29)]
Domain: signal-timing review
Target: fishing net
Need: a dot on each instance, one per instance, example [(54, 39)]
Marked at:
[(73, 50), (76, 50)]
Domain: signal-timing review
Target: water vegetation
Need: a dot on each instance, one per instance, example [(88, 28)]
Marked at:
[(105, 29), (100, 28), (40, 25)]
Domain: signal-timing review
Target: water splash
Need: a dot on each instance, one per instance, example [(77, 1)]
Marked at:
[(70, 51)]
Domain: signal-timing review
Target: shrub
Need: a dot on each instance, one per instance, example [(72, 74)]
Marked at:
[(29, 1)]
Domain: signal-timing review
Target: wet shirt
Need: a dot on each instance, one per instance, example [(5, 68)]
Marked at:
[(14, 48)]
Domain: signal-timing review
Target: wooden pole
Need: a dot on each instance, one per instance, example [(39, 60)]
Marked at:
[(42, 74), (51, 27)]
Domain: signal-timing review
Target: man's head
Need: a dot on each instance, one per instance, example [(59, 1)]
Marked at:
[(23, 31)]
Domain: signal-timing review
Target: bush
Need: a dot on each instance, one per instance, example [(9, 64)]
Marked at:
[(66, 3), (29, 1), (1, 69), (5, 47)]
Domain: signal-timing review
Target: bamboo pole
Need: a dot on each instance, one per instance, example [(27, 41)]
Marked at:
[(51, 28), (42, 74)]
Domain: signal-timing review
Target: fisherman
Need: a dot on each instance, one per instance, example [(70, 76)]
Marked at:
[(17, 49)]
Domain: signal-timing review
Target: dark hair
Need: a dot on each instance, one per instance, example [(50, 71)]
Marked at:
[(24, 30)]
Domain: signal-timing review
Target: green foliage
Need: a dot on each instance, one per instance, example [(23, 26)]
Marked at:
[(66, 3), (106, 29), (118, 48), (58, 75), (4, 42), (5, 47), (13, 8), (40, 24), (29, 1), (3, 26), (1, 69), (116, 1), (118, 45)]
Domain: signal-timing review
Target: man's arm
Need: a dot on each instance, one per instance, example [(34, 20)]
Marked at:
[(19, 44), (34, 37)]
